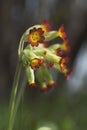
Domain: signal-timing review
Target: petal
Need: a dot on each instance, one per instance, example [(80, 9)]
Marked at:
[(61, 33), (66, 46), (46, 27)]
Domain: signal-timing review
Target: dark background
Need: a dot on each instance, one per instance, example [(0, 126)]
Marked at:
[(66, 106)]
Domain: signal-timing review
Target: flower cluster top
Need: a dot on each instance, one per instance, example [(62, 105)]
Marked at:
[(39, 57)]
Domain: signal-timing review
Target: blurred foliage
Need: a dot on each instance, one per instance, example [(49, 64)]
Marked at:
[(66, 113)]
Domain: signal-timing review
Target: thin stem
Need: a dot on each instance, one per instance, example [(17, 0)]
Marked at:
[(13, 95), (20, 93)]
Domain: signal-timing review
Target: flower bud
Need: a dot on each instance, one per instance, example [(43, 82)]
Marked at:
[(30, 75)]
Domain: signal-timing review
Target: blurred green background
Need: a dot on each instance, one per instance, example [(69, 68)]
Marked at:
[(65, 107)]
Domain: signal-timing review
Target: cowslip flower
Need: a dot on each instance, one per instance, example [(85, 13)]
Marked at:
[(47, 87), (66, 46), (38, 58), (63, 62), (35, 36), (61, 33), (36, 63)]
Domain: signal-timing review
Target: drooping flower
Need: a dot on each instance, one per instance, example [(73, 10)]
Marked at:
[(36, 36), (63, 50), (63, 63), (30, 76), (44, 87), (47, 86), (46, 27), (41, 58), (58, 52), (51, 83), (36, 63), (61, 33), (66, 46)]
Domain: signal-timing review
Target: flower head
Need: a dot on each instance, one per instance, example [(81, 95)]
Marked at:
[(46, 27), (39, 58), (61, 33), (36, 36), (36, 63)]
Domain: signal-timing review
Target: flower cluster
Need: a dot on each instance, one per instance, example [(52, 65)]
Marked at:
[(39, 58)]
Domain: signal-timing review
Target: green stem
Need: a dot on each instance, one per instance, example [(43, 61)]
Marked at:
[(13, 95), (20, 93)]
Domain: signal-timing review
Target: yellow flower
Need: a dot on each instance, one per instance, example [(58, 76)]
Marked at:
[(46, 87), (40, 56), (36, 63), (36, 36), (63, 62)]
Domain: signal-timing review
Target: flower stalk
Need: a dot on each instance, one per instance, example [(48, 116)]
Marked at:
[(13, 96), (38, 58)]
